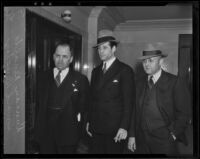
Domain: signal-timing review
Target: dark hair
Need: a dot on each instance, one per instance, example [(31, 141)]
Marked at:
[(64, 44), (113, 43)]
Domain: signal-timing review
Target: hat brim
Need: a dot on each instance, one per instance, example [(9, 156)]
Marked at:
[(150, 56), (105, 42)]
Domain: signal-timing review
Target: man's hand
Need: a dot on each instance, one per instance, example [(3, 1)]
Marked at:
[(172, 134), (121, 135), (87, 130), (131, 144)]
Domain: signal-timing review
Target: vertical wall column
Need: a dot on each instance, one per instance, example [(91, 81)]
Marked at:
[(14, 80), (92, 36)]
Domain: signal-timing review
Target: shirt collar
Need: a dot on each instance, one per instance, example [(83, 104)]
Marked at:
[(63, 72), (156, 76), (109, 62)]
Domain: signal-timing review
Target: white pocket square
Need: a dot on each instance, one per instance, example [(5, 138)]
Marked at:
[(75, 90), (79, 117), (115, 81)]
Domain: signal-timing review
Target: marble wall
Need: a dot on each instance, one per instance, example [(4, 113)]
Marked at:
[(14, 80)]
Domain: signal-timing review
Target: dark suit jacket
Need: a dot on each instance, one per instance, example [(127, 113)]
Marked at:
[(67, 126), (173, 101), (112, 98)]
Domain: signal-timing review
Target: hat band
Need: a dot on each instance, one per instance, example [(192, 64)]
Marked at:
[(104, 39), (149, 53)]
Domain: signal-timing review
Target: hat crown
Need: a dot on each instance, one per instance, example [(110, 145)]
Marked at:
[(105, 36), (151, 51), (104, 33), (150, 47)]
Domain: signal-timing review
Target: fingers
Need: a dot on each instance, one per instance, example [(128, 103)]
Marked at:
[(131, 147), (132, 144), (116, 137), (87, 130), (89, 133), (121, 135)]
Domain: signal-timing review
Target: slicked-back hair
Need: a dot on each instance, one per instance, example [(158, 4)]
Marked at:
[(64, 44)]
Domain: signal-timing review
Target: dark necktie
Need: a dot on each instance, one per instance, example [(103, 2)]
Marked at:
[(58, 80), (104, 68), (150, 82)]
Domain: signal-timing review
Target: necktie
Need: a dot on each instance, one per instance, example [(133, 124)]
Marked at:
[(104, 68), (58, 81), (150, 82)]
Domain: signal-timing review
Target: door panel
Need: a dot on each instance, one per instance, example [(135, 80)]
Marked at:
[(185, 71), (185, 66)]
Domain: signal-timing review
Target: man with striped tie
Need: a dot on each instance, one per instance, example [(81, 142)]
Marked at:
[(62, 105)]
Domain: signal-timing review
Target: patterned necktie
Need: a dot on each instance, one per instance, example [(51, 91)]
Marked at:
[(150, 82), (58, 81), (104, 68)]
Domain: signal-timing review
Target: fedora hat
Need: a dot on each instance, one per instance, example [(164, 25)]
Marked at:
[(151, 51), (105, 36)]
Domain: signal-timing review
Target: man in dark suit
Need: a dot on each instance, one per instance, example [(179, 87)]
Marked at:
[(62, 105), (112, 97), (162, 109)]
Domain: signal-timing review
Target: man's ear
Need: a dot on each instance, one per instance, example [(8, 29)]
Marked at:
[(113, 49), (71, 59), (161, 61)]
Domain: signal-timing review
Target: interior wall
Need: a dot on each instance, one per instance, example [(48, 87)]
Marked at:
[(79, 17), (14, 80), (133, 42)]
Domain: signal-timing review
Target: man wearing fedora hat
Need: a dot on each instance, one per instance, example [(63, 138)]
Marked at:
[(162, 108), (112, 98)]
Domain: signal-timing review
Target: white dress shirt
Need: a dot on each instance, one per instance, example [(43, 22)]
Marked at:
[(63, 73), (109, 62), (155, 77)]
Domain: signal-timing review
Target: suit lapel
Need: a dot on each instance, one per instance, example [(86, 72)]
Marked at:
[(48, 80), (98, 75), (162, 81), (113, 69), (68, 82), (142, 93)]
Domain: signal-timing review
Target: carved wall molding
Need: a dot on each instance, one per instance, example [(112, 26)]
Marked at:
[(140, 25)]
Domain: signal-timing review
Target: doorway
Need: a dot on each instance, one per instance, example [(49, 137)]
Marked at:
[(185, 71), (42, 36)]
